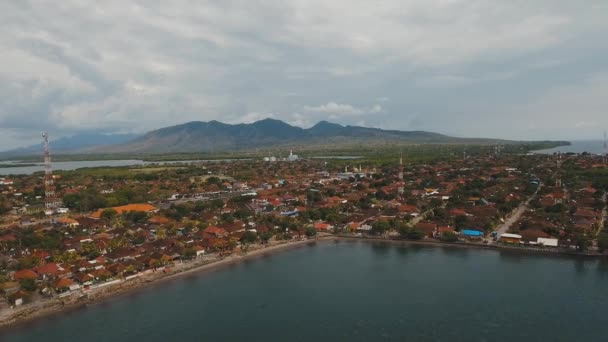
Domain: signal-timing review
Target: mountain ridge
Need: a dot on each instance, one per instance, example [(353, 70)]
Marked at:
[(215, 136)]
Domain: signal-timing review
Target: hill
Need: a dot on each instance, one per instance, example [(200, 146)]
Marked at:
[(215, 136)]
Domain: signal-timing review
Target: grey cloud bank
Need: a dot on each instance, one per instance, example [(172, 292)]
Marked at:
[(504, 69)]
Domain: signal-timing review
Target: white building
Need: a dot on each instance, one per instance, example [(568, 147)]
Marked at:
[(547, 242), (292, 157)]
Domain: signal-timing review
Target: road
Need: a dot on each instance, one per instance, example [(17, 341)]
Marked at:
[(514, 216)]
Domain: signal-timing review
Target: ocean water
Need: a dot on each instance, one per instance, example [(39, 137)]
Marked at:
[(74, 165), (356, 291), (580, 146)]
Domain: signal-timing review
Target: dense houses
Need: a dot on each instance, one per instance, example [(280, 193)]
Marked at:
[(124, 221)]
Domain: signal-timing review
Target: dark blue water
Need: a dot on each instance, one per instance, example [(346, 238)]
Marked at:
[(357, 291)]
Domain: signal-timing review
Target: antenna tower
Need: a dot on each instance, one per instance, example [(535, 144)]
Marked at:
[(400, 190), (50, 199), (558, 178), (605, 149)]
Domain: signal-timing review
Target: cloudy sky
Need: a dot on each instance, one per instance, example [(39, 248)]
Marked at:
[(515, 69)]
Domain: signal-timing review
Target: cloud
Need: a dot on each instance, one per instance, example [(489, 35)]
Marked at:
[(252, 117), (337, 110), (67, 67)]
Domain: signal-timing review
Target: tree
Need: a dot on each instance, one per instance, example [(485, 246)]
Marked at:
[(28, 284), (265, 237), (189, 253), (449, 236), (460, 222), (310, 232), (380, 227), (249, 237), (109, 214), (602, 242), (582, 242), (135, 216), (415, 234), (403, 230)]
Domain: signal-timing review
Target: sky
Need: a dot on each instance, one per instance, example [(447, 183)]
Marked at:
[(516, 69)]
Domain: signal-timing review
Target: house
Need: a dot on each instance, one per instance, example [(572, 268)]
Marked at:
[(510, 238), (428, 228), (10, 287), (25, 274), (322, 226), (547, 242), (215, 231), (48, 270), (63, 284), (67, 222), (444, 229)]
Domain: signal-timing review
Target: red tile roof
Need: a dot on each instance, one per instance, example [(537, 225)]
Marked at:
[(25, 274)]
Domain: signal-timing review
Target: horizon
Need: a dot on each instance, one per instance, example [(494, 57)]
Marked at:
[(513, 71), (294, 125)]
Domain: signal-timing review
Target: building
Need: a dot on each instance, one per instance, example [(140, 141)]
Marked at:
[(510, 238), (472, 233), (547, 242), (292, 157)]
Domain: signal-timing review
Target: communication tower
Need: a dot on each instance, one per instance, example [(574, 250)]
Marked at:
[(401, 190), (50, 198), (605, 149), (558, 164)]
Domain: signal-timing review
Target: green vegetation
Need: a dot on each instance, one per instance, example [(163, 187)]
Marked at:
[(449, 236)]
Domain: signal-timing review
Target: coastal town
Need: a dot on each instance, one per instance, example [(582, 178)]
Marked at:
[(107, 228)]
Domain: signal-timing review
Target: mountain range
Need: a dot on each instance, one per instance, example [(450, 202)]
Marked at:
[(215, 136)]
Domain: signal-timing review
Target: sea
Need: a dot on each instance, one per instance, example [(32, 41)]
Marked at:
[(74, 165), (356, 291), (577, 146)]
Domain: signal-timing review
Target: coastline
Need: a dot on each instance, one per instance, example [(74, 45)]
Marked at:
[(495, 247), (29, 313)]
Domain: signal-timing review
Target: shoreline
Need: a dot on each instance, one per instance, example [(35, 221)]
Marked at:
[(47, 309), (496, 247), (30, 313)]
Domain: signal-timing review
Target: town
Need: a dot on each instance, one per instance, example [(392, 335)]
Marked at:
[(73, 234)]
